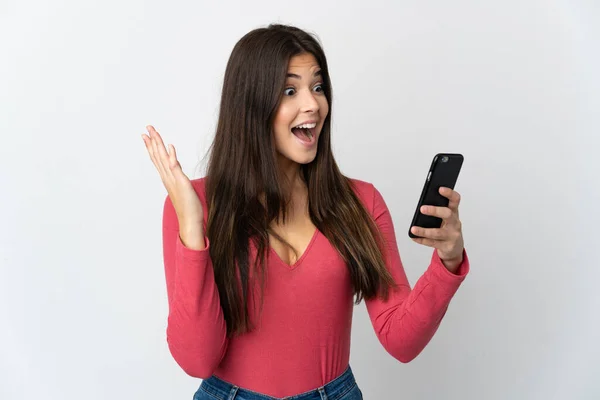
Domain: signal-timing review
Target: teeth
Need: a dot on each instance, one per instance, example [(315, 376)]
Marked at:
[(306, 125)]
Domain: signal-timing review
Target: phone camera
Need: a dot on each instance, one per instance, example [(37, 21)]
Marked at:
[(445, 159)]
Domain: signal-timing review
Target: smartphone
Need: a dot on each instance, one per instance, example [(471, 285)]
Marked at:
[(444, 171)]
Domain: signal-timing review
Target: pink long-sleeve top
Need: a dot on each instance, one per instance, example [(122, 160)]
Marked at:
[(302, 340)]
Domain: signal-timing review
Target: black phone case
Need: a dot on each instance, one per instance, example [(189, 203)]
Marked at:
[(441, 173)]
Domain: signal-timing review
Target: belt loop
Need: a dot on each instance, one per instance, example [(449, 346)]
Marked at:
[(233, 392), (322, 393)]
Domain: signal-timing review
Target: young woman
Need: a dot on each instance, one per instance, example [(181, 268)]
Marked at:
[(264, 255)]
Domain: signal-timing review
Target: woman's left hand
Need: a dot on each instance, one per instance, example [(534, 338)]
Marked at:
[(447, 239)]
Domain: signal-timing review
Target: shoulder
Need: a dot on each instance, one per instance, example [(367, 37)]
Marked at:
[(370, 196), (361, 187), (364, 190)]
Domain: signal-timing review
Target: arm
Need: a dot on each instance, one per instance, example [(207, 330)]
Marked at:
[(196, 329), (407, 321)]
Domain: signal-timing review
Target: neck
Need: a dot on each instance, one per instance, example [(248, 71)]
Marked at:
[(291, 176)]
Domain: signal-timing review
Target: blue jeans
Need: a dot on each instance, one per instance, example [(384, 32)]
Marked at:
[(343, 387)]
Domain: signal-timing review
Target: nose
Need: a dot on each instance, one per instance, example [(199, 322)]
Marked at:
[(309, 103)]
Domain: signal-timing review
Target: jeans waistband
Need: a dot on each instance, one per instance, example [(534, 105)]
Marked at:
[(332, 390)]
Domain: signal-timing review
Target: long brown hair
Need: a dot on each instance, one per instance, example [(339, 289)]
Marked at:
[(244, 189)]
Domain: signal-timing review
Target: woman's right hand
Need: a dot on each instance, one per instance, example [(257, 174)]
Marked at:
[(182, 194)]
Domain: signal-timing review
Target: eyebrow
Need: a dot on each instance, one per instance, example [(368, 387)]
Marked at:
[(290, 75)]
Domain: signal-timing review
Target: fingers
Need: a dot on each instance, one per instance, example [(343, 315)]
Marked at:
[(448, 237), (155, 155), (156, 137), (450, 223), (444, 212), (162, 159), (172, 157), (427, 242), (159, 149), (430, 233), (441, 212), (150, 147), (451, 195)]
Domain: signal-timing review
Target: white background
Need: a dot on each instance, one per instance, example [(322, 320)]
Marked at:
[(511, 85)]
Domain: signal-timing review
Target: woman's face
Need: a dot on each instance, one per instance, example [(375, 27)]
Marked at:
[(303, 102)]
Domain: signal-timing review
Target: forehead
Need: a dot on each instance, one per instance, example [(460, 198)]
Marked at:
[(304, 61)]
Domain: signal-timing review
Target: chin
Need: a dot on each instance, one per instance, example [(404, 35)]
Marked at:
[(300, 158), (304, 159), (307, 160)]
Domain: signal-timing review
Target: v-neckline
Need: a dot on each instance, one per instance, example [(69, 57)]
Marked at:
[(302, 256)]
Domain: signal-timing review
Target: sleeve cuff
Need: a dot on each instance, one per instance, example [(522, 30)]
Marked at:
[(442, 273), (191, 254)]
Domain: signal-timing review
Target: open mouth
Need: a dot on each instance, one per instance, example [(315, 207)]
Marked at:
[(306, 132)]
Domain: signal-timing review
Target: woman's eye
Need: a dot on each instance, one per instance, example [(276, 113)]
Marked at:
[(288, 93)]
